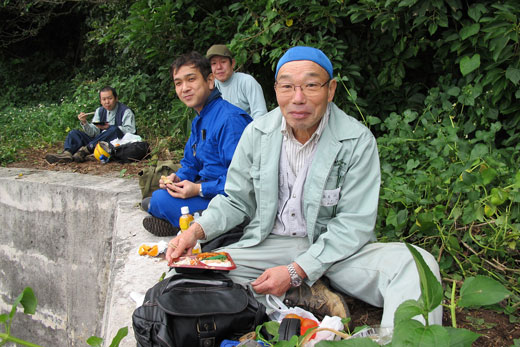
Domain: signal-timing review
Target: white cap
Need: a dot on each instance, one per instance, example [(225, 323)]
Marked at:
[(185, 210)]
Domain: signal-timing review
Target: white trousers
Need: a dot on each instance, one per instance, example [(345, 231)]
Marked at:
[(381, 274)]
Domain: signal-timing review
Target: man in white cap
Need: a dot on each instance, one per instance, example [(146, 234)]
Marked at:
[(306, 176), (240, 89)]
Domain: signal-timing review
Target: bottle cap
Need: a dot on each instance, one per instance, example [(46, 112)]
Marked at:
[(185, 209)]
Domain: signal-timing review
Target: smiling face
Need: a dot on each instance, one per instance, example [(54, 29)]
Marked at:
[(191, 87), (222, 67), (302, 112), (107, 100)]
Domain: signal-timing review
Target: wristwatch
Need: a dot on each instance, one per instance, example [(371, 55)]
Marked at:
[(296, 280), (200, 191)]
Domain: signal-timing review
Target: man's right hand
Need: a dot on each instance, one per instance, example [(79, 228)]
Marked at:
[(83, 118), (184, 243), (173, 178)]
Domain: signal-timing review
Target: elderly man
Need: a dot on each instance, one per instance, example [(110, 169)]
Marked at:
[(112, 120), (306, 176), (240, 89)]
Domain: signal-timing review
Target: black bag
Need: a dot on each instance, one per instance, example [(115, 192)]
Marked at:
[(196, 310), (131, 152)]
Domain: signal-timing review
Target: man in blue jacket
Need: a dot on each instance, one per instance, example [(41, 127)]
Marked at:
[(112, 120), (306, 177), (215, 133)]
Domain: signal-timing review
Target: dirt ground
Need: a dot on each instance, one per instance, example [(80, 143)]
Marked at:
[(495, 328)]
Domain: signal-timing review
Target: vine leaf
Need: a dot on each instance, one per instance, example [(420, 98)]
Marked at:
[(468, 64)]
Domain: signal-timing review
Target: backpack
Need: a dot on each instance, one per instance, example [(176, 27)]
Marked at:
[(149, 176), (196, 310), (130, 152)]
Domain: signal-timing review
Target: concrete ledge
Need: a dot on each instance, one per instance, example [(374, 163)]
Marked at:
[(73, 238)]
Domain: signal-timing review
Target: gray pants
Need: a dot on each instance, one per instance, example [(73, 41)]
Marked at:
[(381, 274)]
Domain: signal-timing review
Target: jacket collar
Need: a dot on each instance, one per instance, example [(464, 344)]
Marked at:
[(215, 94)]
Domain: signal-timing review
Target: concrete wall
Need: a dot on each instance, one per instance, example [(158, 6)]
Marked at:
[(73, 238)]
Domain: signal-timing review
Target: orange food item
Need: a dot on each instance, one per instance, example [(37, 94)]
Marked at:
[(143, 250), (147, 250), (153, 251), (307, 324)]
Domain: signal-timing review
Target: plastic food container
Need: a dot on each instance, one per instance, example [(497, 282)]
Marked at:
[(209, 261)]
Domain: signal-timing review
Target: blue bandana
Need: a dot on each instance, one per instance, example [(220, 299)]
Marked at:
[(305, 53)]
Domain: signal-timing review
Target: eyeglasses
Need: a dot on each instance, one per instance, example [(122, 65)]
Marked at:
[(309, 89)]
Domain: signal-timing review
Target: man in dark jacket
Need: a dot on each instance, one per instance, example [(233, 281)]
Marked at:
[(112, 120)]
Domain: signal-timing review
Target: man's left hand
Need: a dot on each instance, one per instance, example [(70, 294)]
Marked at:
[(184, 189), (275, 281)]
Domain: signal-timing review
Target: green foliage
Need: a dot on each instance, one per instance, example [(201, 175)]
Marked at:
[(29, 302), (95, 341)]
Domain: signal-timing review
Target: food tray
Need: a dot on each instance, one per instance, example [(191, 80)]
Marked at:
[(194, 263)]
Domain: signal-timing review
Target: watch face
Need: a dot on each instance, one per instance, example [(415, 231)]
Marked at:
[(296, 282)]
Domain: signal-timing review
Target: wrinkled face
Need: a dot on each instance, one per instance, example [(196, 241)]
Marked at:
[(107, 100), (191, 87), (222, 67), (303, 110)]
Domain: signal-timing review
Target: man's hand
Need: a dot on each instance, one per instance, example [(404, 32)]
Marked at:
[(103, 126), (184, 243), (165, 183), (83, 118), (276, 280), (184, 189)]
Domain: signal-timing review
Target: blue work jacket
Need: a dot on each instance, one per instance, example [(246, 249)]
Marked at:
[(215, 133)]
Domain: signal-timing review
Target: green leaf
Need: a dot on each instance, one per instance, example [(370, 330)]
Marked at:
[(479, 151), (460, 337), (498, 196), (481, 291), (513, 75), (475, 11), (95, 341), (408, 310), (517, 180), (488, 175), (121, 334), (413, 333), (470, 30), (412, 164), (431, 289), (29, 301), (4, 317), (468, 64)]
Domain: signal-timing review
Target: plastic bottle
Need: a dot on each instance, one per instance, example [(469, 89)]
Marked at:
[(184, 223), (185, 219)]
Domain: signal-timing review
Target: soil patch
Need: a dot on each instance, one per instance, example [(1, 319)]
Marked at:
[(495, 328)]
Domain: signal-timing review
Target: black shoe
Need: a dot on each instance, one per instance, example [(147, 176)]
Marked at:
[(81, 154), (319, 299), (65, 157), (159, 227)]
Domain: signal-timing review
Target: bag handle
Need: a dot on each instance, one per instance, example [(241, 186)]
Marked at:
[(215, 283), (278, 305)]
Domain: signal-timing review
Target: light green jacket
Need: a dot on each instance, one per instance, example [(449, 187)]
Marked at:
[(346, 147)]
